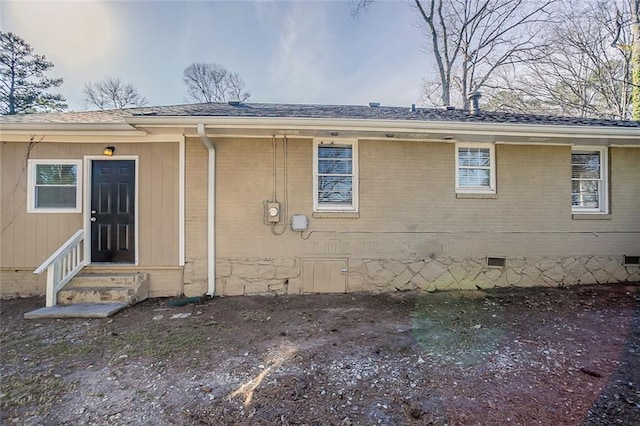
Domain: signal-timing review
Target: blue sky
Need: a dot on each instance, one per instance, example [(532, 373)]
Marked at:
[(285, 51)]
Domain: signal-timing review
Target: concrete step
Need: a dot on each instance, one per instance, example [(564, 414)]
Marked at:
[(108, 280), (105, 288)]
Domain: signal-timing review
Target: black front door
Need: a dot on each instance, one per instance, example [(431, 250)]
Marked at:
[(113, 211)]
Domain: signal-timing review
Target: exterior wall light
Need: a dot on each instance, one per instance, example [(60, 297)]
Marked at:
[(109, 150)]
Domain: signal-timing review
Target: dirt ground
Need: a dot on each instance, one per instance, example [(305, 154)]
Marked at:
[(512, 356)]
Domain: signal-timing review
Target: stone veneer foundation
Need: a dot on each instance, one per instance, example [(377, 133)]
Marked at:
[(246, 276)]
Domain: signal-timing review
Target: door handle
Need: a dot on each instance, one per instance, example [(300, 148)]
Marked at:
[(93, 212), (93, 219)]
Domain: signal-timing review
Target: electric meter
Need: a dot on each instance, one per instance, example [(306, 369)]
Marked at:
[(273, 212)]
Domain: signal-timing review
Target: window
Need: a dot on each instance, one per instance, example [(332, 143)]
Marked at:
[(475, 168), (588, 180), (335, 175), (54, 186)]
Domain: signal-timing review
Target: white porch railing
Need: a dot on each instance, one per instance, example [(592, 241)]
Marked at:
[(63, 265)]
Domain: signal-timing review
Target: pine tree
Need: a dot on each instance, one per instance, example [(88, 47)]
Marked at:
[(23, 84)]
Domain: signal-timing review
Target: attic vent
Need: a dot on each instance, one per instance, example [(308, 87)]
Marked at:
[(234, 103), (451, 108), (374, 104), (632, 260), (496, 262)]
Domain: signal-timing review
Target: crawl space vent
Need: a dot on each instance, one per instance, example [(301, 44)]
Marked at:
[(632, 260), (496, 262)]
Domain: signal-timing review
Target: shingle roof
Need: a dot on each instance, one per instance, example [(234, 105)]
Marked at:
[(312, 111), (83, 117)]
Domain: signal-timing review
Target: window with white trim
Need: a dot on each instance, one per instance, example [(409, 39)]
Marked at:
[(335, 175), (54, 186), (475, 168), (589, 180)]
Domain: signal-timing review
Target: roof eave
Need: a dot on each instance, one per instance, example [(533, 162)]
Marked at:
[(413, 126), (115, 129)]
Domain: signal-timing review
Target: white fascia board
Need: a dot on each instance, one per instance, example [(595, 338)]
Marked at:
[(413, 126), (534, 143), (629, 145), (70, 128), (89, 138)]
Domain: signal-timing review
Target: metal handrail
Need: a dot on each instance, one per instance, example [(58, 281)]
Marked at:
[(63, 265)]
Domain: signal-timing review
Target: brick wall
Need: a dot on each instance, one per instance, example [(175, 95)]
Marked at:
[(409, 211)]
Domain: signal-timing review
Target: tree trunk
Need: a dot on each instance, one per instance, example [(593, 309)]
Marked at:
[(635, 59), (444, 68), (464, 88), (12, 89)]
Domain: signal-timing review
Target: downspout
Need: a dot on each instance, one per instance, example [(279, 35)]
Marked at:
[(211, 211), (181, 198)]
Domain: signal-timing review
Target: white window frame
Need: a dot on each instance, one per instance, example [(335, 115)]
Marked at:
[(31, 186), (328, 207), (603, 186), (491, 189)]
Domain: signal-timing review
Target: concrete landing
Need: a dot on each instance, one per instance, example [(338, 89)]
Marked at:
[(79, 310)]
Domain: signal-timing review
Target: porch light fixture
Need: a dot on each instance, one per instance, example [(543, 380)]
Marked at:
[(109, 150)]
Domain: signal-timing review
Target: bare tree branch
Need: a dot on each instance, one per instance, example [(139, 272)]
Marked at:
[(576, 70), (471, 39), (112, 93), (213, 83), (361, 6)]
